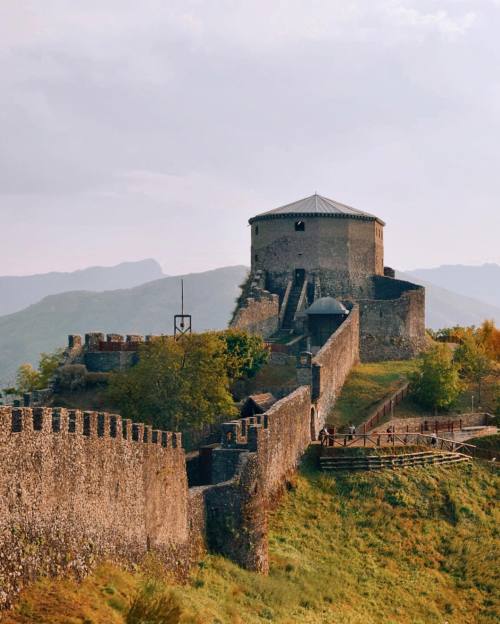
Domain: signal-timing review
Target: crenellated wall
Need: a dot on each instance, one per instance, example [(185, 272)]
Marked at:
[(258, 313), (78, 486), (252, 470)]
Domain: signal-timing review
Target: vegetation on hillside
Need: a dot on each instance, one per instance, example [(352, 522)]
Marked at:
[(185, 383), (444, 373), (367, 385), (415, 547), (436, 383)]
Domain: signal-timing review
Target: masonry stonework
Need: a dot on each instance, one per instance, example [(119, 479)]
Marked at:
[(74, 490)]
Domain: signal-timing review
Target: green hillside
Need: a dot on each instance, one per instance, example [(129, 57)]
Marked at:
[(145, 309), (418, 547)]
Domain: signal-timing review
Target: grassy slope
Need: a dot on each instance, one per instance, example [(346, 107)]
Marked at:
[(366, 386), (491, 442), (408, 548)]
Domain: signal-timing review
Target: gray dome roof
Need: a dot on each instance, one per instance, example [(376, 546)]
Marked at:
[(315, 206), (327, 305)]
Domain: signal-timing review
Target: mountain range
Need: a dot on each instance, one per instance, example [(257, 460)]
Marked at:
[(479, 282), (18, 292), (150, 307)]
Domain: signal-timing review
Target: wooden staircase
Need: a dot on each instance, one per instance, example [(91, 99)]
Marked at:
[(353, 463)]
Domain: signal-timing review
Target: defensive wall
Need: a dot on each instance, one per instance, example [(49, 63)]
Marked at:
[(80, 486), (258, 314), (392, 325), (248, 473), (327, 371)]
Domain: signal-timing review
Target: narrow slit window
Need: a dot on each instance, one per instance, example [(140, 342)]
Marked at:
[(256, 230), (100, 425), (300, 226)]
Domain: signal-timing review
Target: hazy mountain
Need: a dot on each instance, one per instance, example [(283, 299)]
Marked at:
[(445, 308), (479, 282), (147, 309), (19, 292)]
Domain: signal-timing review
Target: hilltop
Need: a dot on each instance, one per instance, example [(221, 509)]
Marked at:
[(418, 547)]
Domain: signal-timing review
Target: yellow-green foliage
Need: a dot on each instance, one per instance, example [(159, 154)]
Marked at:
[(367, 385), (415, 547)]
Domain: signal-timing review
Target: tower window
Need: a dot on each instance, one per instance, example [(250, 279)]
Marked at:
[(256, 258), (300, 226), (256, 230)]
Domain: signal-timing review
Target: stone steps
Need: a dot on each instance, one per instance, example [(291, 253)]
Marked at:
[(379, 462)]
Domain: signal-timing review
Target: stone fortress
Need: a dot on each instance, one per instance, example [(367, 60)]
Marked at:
[(79, 486), (315, 258)]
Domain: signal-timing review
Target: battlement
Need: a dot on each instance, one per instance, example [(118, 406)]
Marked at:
[(98, 341), (61, 421)]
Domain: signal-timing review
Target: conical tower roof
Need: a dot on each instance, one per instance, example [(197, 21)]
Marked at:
[(315, 206)]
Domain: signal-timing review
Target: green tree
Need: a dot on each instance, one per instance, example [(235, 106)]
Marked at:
[(474, 361), (29, 378), (246, 354), (175, 385), (436, 384)]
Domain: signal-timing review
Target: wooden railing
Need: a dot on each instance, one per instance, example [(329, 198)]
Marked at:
[(387, 407), (374, 440)]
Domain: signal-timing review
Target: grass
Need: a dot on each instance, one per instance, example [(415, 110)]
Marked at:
[(367, 385), (415, 547), (491, 442)]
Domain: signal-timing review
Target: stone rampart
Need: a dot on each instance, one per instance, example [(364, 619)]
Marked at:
[(253, 466), (258, 313), (392, 327), (415, 424), (332, 364), (78, 486)]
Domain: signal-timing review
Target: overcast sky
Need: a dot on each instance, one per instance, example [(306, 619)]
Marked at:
[(156, 128)]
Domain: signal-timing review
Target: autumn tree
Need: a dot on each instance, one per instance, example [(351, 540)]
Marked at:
[(474, 361), (436, 384)]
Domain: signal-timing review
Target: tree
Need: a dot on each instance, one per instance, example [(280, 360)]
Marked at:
[(246, 354), (436, 384), (474, 361), (29, 379), (175, 385), (489, 336)]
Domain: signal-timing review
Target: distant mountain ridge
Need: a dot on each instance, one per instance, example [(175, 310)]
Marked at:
[(146, 309), (479, 282), (18, 292), (444, 308)]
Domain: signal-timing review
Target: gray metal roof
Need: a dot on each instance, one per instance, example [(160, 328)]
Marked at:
[(315, 206), (327, 305)]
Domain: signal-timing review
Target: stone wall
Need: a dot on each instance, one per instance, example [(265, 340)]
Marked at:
[(256, 467), (414, 423), (258, 314), (393, 328), (73, 489), (332, 364)]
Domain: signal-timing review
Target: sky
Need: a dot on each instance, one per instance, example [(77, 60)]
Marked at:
[(155, 129)]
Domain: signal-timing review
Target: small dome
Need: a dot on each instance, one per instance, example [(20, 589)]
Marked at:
[(327, 305)]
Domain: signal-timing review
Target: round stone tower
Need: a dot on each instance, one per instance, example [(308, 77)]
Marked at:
[(335, 248)]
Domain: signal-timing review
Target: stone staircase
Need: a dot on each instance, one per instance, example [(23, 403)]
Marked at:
[(292, 303), (352, 463)]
